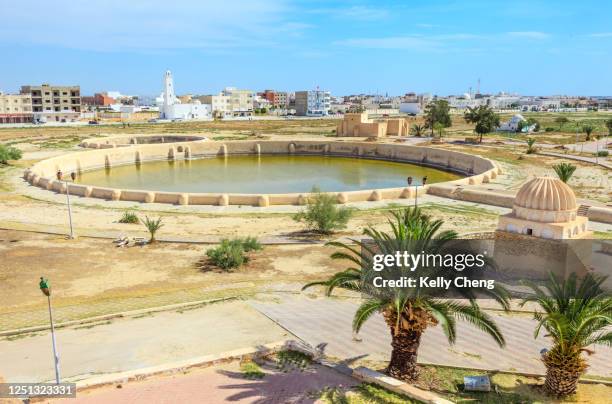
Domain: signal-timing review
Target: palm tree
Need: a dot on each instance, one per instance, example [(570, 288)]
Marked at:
[(575, 314), (408, 311), (564, 171), (417, 130), (530, 145), (588, 129), (152, 225)]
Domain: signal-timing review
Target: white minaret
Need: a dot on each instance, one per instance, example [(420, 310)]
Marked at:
[(169, 97)]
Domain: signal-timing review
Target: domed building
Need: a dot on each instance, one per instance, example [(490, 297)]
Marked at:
[(545, 207)]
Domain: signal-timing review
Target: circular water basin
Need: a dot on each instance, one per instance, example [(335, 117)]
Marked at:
[(269, 174)]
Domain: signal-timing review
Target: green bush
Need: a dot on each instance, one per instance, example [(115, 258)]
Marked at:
[(9, 153), (231, 254), (549, 129), (602, 153), (129, 217), (322, 214)]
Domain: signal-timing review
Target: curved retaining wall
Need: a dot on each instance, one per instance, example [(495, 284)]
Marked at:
[(110, 142), (42, 174)]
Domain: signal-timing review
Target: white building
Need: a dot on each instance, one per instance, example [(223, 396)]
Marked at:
[(172, 108), (513, 125), (312, 103)]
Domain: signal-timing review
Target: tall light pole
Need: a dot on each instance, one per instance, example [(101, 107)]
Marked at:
[(59, 178), (44, 287), (416, 188)]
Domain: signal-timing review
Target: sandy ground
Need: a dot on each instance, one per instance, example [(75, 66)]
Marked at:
[(91, 269)]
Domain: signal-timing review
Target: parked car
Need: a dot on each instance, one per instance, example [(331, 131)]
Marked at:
[(93, 122)]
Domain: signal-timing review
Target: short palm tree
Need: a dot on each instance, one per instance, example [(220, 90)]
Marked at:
[(152, 225), (564, 171), (408, 312), (588, 129), (417, 130), (576, 313), (530, 145)]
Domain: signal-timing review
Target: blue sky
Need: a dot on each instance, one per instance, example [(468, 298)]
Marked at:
[(442, 47)]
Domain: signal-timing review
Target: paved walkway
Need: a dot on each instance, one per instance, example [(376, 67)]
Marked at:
[(328, 321), (592, 160), (135, 343), (221, 385)]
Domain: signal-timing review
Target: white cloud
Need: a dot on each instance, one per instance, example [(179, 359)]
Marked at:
[(399, 42), (129, 25)]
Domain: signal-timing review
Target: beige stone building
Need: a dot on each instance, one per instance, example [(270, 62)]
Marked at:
[(240, 101), (220, 104), (54, 103), (358, 124), (15, 108), (543, 233), (545, 207)]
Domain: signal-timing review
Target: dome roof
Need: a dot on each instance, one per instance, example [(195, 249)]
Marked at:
[(546, 193)]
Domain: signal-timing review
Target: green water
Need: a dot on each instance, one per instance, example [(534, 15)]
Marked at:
[(265, 174)]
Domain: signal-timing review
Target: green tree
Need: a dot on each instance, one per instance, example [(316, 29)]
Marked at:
[(564, 171), (9, 153), (152, 225), (408, 312), (576, 313), (609, 126), (588, 129), (322, 214), (562, 120), (484, 117), (437, 111), (417, 130)]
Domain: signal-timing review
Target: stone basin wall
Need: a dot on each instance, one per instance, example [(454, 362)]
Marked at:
[(43, 174)]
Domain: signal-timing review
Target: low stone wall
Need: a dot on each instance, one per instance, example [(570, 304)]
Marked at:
[(110, 142), (42, 174)]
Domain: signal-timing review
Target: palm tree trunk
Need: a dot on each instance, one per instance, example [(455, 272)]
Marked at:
[(561, 382), (403, 363)]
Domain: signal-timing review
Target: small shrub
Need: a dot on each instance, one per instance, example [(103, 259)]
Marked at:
[(602, 153), (251, 244), (564, 171), (9, 153), (231, 254), (251, 370), (129, 217), (322, 214), (549, 129)]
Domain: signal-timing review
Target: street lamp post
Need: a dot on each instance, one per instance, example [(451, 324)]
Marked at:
[(416, 188), (59, 177), (44, 287)]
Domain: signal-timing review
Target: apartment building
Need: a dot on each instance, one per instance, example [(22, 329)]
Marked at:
[(240, 101), (278, 99), (15, 108), (312, 103), (54, 103), (220, 104)]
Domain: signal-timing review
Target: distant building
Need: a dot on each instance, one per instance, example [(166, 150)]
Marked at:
[(219, 104), (15, 108), (514, 123), (172, 108), (54, 103), (278, 99), (312, 103), (98, 100), (359, 124), (240, 101)]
